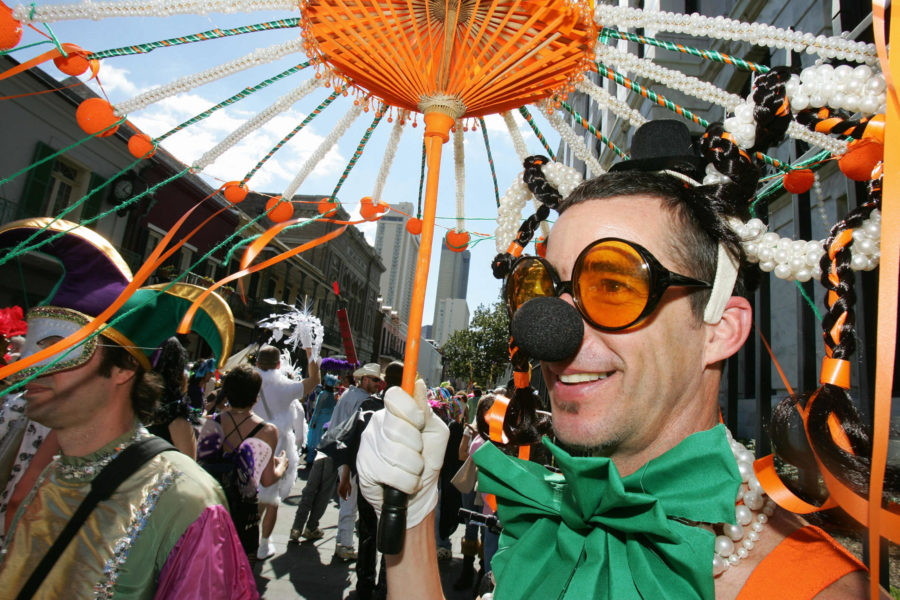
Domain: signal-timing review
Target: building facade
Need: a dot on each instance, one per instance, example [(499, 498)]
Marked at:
[(450, 309), (348, 260), (398, 250)]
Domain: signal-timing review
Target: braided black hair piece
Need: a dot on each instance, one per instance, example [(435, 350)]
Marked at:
[(549, 198), (733, 197), (772, 111), (831, 121), (853, 465)]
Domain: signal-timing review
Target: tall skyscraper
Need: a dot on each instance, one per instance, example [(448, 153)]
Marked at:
[(450, 309), (398, 250)]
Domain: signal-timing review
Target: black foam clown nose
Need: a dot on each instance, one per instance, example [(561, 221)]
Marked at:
[(547, 328)]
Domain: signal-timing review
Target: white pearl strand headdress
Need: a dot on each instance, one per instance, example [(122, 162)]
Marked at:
[(798, 259), (752, 512)]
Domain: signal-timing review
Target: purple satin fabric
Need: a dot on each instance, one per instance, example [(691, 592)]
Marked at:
[(208, 562)]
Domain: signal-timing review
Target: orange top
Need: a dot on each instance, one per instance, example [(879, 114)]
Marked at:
[(802, 565)]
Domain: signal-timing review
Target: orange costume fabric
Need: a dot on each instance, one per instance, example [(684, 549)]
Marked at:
[(802, 565)]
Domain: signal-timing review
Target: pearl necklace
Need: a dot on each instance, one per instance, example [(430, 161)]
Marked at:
[(752, 512)]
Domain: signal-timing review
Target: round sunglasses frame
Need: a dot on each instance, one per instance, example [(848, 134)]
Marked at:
[(661, 279)]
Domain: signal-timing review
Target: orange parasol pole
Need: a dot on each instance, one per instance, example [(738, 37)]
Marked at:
[(437, 132)]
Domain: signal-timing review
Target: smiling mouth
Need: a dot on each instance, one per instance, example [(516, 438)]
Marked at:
[(574, 378)]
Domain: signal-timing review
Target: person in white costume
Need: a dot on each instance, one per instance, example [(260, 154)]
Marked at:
[(277, 405)]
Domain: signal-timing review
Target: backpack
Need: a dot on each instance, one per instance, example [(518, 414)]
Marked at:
[(244, 510)]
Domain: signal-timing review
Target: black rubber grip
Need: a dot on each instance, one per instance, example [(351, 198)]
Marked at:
[(392, 524)]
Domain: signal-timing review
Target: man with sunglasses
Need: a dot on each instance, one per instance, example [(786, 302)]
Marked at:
[(638, 302)]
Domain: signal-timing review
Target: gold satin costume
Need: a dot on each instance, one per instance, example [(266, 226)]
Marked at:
[(122, 547)]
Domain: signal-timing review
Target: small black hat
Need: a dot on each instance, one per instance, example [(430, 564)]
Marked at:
[(663, 145)]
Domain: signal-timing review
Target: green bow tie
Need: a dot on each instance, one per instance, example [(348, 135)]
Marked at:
[(589, 533)]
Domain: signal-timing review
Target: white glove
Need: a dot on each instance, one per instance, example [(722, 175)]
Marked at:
[(403, 447)]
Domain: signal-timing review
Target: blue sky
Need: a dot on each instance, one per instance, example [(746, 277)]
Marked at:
[(124, 77)]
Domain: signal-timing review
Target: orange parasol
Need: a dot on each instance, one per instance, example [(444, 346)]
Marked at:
[(448, 59)]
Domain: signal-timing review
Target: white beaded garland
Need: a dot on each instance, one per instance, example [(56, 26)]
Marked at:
[(575, 143), (676, 80), (389, 153), (709, 93), (459, 160), (856, 90), (272, 111), (320, 152), (605, 100), (760, 34), (188, 82), (799, 259), (516, 136), (51, 13)]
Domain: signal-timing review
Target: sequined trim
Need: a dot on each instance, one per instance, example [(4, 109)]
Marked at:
[(104, 588), (87, 471)]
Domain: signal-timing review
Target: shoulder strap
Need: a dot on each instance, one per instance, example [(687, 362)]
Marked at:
[(262, 396), (109, 479), (256, 429), (802, 565)]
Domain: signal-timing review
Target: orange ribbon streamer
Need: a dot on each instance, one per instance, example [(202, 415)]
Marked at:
[(50, 55), (185, 324), (882, 522)]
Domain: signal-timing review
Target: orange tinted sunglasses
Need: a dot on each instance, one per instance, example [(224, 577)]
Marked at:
[(615, 283)]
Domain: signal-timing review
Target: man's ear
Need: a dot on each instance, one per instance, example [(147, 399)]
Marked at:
[(727, 336), (122, 376)]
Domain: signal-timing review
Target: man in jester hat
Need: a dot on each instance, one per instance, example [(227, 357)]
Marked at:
[(633, 311), (164, 531)]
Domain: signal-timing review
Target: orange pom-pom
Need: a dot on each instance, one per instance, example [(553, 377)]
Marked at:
[(861, 158), (282, 212), (799, 181), (369, 212), (457, 240), (141, 146), (326, 207), (94, 115), (235, 192), (10, 29), (414, 226), (73, 64)]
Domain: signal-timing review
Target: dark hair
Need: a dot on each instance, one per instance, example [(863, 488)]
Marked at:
[(241, 385), (477, 391), (268, 358), (699, 226), (147, 387), (170, 364), (393, 374)]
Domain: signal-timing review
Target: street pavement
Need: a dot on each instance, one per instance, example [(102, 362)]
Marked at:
[(309, 571)]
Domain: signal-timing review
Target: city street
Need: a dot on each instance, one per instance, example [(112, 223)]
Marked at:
[(307, 570)]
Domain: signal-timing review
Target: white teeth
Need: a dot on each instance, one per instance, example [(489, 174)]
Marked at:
[(582, 377)]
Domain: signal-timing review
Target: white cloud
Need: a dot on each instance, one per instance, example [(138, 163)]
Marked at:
[(115, 80)]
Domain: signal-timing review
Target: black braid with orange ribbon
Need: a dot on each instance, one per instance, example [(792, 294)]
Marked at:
[(549, 198), (851, 465), (830, 121), (772, 111)]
